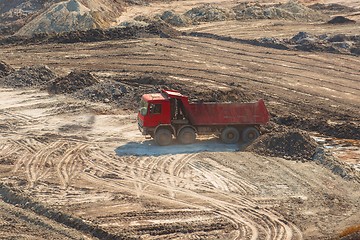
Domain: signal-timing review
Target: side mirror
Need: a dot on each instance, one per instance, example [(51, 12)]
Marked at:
[(143, 111)]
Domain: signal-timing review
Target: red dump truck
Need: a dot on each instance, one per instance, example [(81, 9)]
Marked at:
[(169, 113)]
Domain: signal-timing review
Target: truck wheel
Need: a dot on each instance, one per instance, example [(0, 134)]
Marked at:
[(230, 135), (250, 134), (186, 135), (163, 137)]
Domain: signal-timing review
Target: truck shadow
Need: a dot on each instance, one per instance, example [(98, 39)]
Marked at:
[(149, 148)]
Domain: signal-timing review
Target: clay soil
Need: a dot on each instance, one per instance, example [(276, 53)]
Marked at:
[(75, 166)]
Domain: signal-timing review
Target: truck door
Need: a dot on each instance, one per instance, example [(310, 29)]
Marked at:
[(155, 110), (159, 113)]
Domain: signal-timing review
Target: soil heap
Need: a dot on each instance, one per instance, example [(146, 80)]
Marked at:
[(62, 17), (5, 69), (209, 13), (291, 10), (71, 83), (339, 43), (175, 19), (290, 144), (14, 14), (29, 76), (340, 20)]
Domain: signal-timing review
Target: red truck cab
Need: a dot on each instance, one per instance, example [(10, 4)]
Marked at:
[(169, 113)]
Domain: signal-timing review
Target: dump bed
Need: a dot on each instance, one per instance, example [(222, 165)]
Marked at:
[(227, 113)]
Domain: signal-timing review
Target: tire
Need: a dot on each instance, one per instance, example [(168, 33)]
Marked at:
[(163, 137), (230, 135), (250, 134), (187, 135)]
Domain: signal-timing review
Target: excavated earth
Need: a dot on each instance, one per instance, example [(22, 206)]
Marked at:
[(73, 164)]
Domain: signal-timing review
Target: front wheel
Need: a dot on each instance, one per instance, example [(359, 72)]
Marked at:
[(163, 137), (230, 135), (187, 135), (250, 134)]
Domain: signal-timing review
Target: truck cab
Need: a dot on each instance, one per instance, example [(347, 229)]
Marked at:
[(154, 111)]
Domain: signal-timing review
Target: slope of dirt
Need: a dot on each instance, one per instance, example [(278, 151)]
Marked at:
[(14, 14), (61, 17), (38, 16)]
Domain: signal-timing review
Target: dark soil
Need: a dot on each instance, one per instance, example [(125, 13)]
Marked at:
[(290, 144), (71, 83), (126, 93), (5, 69), (154, 29), (347, 129), (340, 20), (331, 8), (29, 76)]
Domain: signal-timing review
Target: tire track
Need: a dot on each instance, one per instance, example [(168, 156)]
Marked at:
[(252, 223), (64, 167), (36, 166)]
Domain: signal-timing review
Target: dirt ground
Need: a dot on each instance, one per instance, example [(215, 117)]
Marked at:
[(75, 167)]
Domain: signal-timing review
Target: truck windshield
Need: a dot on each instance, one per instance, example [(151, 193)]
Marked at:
[(143, 107)]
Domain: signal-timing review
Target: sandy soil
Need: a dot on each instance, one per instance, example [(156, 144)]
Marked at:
[(75, 163), (72, 169)]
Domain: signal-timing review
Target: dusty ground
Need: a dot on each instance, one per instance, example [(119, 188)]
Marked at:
[(75, 169)]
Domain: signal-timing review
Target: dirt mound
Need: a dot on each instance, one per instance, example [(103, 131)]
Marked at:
[(291, 10), (37, 16), (175, 19), (340, 20), (5, 69), (14, 14), (105, 92), (290, 144), (29, 76), (209, 13), (331, 8), (71, 83), (62, 17), (339, 43)]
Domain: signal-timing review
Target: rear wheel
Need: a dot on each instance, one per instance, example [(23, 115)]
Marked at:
[(187, 135), (230, 135), (250, 134), (163, 137)]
